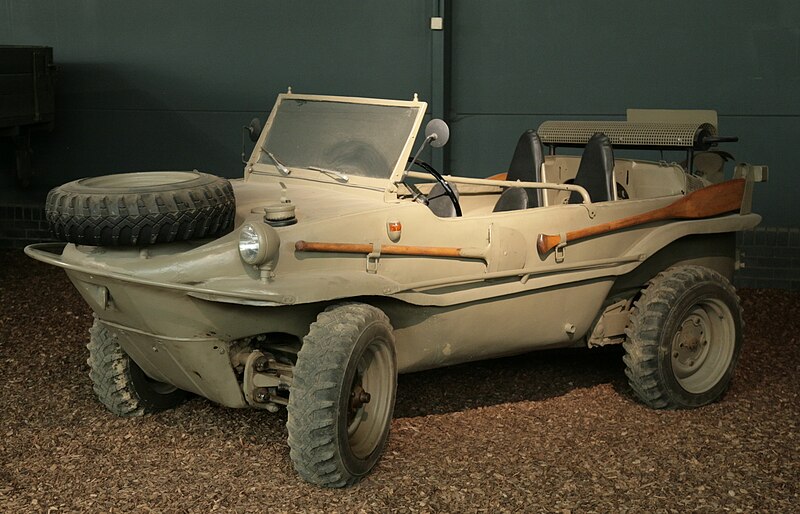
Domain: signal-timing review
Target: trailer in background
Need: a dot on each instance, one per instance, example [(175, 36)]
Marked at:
[(27, 99)]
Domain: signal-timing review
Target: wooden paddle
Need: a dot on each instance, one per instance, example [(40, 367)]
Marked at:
[(703, 203), (421, 251)]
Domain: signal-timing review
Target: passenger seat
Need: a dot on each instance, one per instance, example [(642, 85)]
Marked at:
[(596, 170)]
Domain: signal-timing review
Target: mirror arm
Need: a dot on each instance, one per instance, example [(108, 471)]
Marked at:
[(416, 156)]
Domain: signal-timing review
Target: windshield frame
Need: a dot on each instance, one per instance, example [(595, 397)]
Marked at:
[(255, 166)]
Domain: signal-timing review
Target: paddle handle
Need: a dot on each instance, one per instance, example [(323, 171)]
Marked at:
[(421, 251)]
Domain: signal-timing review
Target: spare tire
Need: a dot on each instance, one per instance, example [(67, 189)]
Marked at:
[(138, 209)]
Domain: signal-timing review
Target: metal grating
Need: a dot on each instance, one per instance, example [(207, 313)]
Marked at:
[(625, 133)]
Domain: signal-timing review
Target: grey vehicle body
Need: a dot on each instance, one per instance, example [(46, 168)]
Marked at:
[(189, 313)]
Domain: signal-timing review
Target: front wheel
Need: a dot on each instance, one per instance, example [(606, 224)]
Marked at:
[(684, 338), (342, 396), (120, 384)]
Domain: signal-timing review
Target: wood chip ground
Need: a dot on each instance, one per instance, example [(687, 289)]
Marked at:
[(554, 431)]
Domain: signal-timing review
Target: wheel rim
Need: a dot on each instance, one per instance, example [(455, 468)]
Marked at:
[(141, 380), (140, 179), (159, 387), (367, 420), (703, 346)]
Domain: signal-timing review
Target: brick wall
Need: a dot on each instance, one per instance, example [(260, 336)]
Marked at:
[(771, 257), (21, 225)]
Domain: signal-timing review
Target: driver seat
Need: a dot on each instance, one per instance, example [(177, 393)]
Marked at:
[(526, 166)]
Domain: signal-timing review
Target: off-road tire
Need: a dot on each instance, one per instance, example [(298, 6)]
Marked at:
[(683, 338), (120, 384), (138, 209), (344, 338)]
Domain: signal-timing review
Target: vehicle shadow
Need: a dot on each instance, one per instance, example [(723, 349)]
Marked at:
[(534, 376)]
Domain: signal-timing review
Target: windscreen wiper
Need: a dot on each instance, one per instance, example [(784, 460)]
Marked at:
[(338, 174), (278, 164)]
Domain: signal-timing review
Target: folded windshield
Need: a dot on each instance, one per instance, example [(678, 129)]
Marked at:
[(351, 138)]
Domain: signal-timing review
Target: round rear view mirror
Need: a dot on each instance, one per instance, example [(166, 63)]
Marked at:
[(437, 132), (254, 129)]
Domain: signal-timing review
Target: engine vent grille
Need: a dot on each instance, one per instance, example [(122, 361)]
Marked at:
[(626, 133)]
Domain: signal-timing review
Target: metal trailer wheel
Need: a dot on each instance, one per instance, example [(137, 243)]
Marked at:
[(683, 338), (342, 396)]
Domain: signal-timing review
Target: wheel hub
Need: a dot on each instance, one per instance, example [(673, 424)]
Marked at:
[(690, 342), (369, 403), (357, 410), (358, 397), (703, 345)]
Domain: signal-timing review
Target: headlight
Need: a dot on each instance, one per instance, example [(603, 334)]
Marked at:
[(257, 243)]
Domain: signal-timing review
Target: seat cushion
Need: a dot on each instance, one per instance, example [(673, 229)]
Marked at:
[(514, 199)]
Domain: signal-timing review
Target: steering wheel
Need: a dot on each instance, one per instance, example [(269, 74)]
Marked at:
[(442, 182)]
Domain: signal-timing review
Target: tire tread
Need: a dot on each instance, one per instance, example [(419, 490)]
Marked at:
[(313, 400), (112, 381), (139, 219), (648, 315)]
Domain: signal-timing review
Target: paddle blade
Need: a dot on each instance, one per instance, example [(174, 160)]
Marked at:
[(710, 201), (704, 203), (545, 243)]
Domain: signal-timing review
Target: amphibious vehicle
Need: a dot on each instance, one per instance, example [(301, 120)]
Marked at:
[(339, 261)]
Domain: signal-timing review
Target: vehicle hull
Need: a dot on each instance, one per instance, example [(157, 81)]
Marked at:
[(191, 343), (180, 310)]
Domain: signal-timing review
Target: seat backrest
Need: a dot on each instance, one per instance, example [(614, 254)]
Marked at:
[(526, 166), (596, 170)]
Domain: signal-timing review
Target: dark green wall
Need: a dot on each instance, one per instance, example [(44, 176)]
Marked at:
[(152, 85), (148, 85), (518, 63)]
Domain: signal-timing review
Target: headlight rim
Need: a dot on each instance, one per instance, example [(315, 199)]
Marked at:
[(262, 241)]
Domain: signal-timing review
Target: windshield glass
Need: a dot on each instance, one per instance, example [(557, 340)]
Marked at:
[(356, 139)]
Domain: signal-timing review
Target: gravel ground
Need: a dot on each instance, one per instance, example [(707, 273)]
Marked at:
[(546, 432)]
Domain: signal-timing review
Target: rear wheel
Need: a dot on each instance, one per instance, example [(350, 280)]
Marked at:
[(684, 338), (342, 396), (120, 384)]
